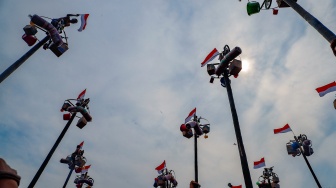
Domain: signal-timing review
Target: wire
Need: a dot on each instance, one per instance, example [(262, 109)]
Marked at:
[(66, 38), (204, 119), (46, 17)]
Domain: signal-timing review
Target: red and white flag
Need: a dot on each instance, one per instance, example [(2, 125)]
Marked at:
[(161, 167), (84, 18), (210, 57), (259, 164), (284, 129), (326, 89), (191, 115), (85, 169), (81, 95), (81, 145)]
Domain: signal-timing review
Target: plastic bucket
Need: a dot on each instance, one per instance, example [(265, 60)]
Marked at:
[(66, 116), (29, 39), (275, 11), (252, 7)]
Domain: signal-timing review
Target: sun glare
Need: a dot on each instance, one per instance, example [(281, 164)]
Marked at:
[(245, 65)]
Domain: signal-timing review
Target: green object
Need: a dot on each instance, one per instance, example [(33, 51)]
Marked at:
[(252, 7)]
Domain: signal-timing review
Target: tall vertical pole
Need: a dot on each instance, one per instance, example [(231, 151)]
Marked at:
[(167, 182), (196, 163), (68, 177), (20, 61), (45, 162), (242, 154), (323, 30), (81, 185), (308, 164), (269, 182)]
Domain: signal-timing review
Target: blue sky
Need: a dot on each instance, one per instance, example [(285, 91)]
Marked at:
[(140, 63)]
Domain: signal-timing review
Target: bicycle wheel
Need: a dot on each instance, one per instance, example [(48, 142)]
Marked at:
[(226, 49), (303, 137), (268, 4)]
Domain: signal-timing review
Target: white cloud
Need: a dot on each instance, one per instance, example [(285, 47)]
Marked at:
[(140, 62)]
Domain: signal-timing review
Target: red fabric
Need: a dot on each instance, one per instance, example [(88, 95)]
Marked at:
[(161, 166), (284, 129)]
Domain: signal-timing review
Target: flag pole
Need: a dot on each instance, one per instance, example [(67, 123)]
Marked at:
[(192, 118), (45, 162), (20, 61), (72, 167), (196, 163), (195, 148), (308, 164), (242, 154), (81, 185), (318, 26), (68, 177), (293, 132)]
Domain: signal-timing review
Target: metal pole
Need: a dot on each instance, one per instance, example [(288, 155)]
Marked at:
[(45, 162), (242, 154), (269, 182), (20, 61), (311, 170), (67, 179), (308, 164), (81, 185), (166, 182), (323, 30), (196, 166)]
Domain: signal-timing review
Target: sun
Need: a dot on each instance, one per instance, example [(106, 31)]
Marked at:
[(245, 65)]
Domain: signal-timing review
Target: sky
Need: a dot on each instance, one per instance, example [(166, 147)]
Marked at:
[(140, 63)]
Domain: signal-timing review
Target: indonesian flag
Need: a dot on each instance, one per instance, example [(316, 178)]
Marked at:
[(84, 18), (81, 145), (191, 115), (85, 169), (161, 167), (238, 186), (210, 57), (284, 129), (259, 164), (81, 95), (326, 89)]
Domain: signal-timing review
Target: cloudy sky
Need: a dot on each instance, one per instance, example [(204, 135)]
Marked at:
[(140, 63)]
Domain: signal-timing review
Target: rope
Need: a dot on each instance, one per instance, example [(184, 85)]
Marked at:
[(46, 17)]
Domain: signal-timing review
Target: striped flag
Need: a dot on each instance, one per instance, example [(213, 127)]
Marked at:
[(81, 145), (191, 115), (81, 95), (210, 57), (326, 89), (259, 164), (84, 18), (161, 167), (85, 169), (284, 129)]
